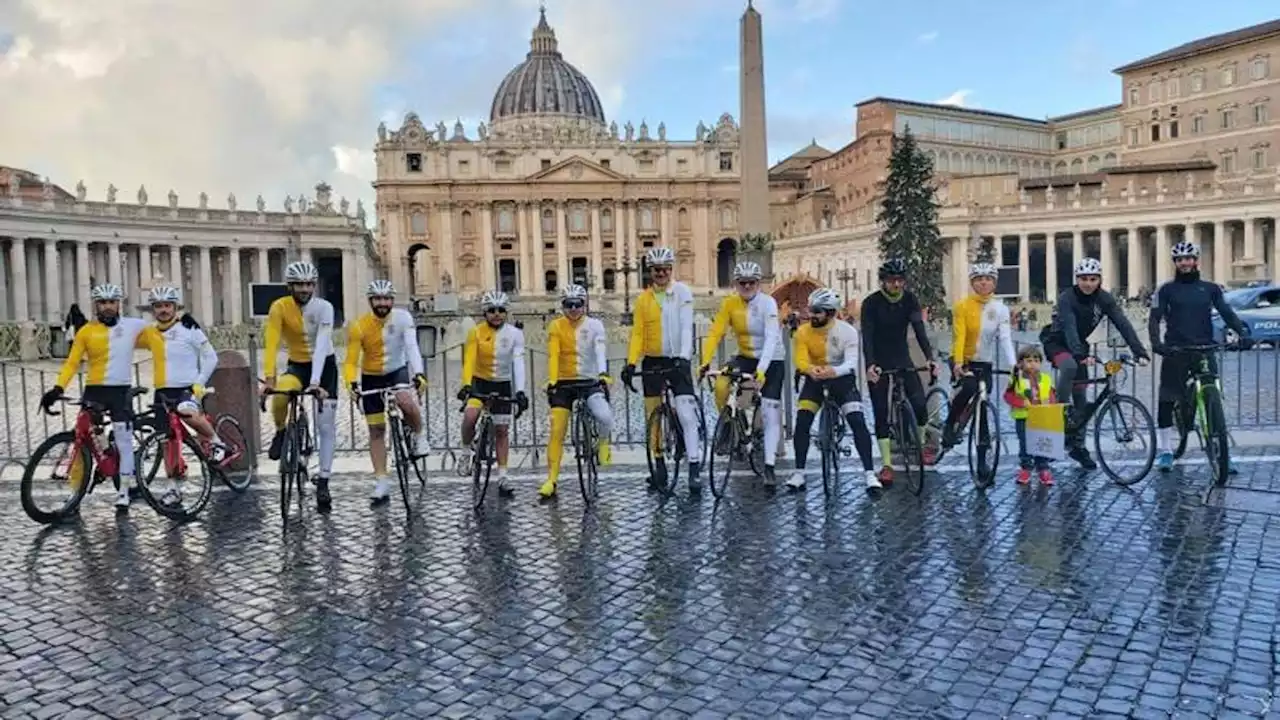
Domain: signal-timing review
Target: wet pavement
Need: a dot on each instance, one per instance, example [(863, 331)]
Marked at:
[(1083, 600)]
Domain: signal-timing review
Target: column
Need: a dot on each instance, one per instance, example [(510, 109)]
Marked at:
[(701, 215), (204, 285), (351, 291), (448, 256), (1024, 267), (1164, 266), (539, 246), (668, 238), (52, 284), (1051, 267), (146, 274), (633, 234), (959, 269), (113, 274), (262, 258), (488, 274), (1077, 248), (1107, 249), (562, 247), (597, 249), (18, 270), (235, 289), (524, 269), (1251, 259), (1208, 263), (1221, 253), (82, 289), (1133, 236)]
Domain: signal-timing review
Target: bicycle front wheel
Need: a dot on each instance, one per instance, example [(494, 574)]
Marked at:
[(912, 450), (984, 445), (1217, 446), (187, 485), (59, 472), (585, 449), (400, 451), (482, 462), (829, 447), (227, 428), (1129, 431), (724, 443), (663, 447), (290, 471)]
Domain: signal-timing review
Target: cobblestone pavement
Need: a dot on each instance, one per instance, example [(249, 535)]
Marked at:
[(1080, 600)]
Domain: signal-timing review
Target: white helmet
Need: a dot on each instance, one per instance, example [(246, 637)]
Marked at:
[(982, 269), (1185, 249), (747, 270), (107, 291), (493, 299), (1088, 266), (380, 288), (164, 294), (573, 292), (659, 256), (824, 299), (301, 272)]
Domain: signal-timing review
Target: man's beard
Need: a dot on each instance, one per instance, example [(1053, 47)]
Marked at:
[(301, 298), (108, 320), (381, 311)]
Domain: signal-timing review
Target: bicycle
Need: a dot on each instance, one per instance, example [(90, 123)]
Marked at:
[(663, 428), (904, 428), (1110, 401), (295, 451), (483, 446), (984, 435), (92, 456), (831, 432), (586, 442), (734, 435), (401, 439), (1200, 409)]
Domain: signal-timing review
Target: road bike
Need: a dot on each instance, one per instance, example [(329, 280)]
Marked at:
[(832, 428), (86, 456), (295, 451), (585, 437), (904, 426), (1111, 402), (1199, 409), (664, 448), (981, 418), (400, 438), (735, 437), (484, 451)]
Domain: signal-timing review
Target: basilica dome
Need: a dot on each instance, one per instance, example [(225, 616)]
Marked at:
[(545, 86)]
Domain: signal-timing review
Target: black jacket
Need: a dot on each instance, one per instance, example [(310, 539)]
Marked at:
[(1186, 306), (884, 330), (1077, 315)]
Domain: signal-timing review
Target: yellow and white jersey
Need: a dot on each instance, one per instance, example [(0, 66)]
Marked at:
[(186, 357), (493, 354), (307, 332), (108, 352), (575, 351), (982, 332), (835, 344), (755, 327), (380, 346), (662, 324)]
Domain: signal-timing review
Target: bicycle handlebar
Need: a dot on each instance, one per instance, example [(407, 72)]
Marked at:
[(1175, 349), (491, 398), (391, 389)]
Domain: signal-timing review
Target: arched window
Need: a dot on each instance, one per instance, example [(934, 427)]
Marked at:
[(682, 219), (548, 222), (606, 220), (468, 223), (417, 224)]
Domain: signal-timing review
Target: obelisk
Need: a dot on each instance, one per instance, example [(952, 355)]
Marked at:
[(754, 212)]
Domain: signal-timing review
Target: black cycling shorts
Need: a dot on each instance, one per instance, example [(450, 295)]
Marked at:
[(681, 382), (842, 390), (328, 375), (373, 404), (773, 377)]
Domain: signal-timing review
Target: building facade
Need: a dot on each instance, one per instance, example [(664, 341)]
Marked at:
[(549, 191), (1185, 153)]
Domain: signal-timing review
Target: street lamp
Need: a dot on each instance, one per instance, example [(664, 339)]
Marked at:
[(625, 268), (844, 276)]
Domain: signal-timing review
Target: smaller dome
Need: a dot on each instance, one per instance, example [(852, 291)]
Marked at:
[(545, 84)]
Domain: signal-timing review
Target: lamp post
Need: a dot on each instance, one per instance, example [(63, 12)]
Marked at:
[(844, 276), (625, 268)]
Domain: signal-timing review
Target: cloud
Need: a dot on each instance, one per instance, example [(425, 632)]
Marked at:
[(813, 10), (789, 132), (959, 98), (927, 38)]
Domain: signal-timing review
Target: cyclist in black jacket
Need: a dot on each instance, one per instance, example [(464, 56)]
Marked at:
[(886, 315), (1185, 304), (1080, 309)]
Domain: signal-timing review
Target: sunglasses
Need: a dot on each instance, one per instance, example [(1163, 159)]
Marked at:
[(573, 304), (661, 269), (495, 310), (748, 283)]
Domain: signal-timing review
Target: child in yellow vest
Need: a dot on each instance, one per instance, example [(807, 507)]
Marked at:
[(1029, 387)]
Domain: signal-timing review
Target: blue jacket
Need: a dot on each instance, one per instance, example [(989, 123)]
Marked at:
[(1186, 304)]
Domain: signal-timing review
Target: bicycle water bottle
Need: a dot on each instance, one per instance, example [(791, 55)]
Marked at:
[(100, 439)]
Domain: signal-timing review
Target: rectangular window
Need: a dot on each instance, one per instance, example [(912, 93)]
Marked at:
[(502, 165), (1172, 87), (1260, 159), (1228, 119), (726, 161), (464, 167), (1135, 96), (1061, 141), (646, 164), (546, 163), (413, 161), (1133, 136), (1155, 133), (605, 163), (1258, 69), (1153, 91), (1260, 114), (1197, 82), (1228, 76), (1197, 124), (1173, 130), (682, 165)]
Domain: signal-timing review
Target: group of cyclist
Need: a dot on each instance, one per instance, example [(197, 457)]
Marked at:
[(829, 352)]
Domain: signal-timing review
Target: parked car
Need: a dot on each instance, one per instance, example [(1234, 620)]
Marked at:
[(1259, 310)]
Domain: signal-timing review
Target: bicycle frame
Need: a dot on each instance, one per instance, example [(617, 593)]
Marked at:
[(88, 419), (1112, 369)]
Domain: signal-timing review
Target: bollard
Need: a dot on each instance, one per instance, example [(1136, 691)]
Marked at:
[(234, 395)]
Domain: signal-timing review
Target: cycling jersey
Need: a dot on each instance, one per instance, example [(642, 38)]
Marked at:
[(186, 357), (663, 324), (755, 326), (835, 344), (382, 345), (575, 351), (108, 352), (1076, 315), (494, 355), (884, 330), (1186, 306), (982, 332), (307, 332)]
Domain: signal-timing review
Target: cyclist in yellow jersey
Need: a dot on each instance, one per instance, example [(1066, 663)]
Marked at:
[(662, 341), (106, 346), (493, 362), (576, 368), (753, 317), (828, 354), (304, 324), (382, 351), (982, 335)]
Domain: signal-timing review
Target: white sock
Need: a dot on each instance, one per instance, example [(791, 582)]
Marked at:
[(1168, 439)]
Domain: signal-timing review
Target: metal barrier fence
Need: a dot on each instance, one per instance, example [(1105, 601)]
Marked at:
[(1251, 389)]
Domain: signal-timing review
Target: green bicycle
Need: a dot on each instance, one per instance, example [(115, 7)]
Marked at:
[(1200, 410)]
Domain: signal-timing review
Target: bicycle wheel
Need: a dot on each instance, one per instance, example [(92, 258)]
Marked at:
[(1217, 446), (938, 404), (227, 428), (756, 434), (70, 467), (418, 462), (829, 448), (984, 445), (725, 437), (911, 448), (663, 429), (1184, 420), (482, 462), (175, 505), (585, 447), (290, 468), (1132, 424)]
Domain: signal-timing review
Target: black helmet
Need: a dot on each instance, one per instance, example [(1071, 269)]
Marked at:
[(893, 267)]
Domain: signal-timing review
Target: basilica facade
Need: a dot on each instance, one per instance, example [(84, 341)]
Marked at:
[(550, 191)]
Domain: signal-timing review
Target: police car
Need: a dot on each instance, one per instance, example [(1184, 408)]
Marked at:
[(1259, 310)]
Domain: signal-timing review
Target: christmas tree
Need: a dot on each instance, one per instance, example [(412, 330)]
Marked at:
[(909, 218)]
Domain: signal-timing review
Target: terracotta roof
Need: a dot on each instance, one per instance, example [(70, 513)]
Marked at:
[(951, 108), (1204, 45)]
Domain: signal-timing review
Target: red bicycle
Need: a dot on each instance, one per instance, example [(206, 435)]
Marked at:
[(81, 457), (180, 449)]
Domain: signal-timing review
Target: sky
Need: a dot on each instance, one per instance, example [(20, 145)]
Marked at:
[(252, 97)]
